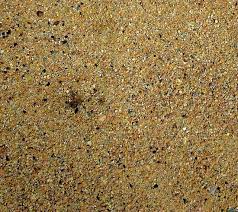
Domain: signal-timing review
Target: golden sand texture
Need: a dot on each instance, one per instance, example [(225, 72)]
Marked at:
[(118, 105)]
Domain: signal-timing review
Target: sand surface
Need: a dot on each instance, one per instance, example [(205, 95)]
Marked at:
[(118, 105)]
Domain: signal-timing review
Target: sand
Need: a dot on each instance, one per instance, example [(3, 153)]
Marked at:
[(118, 105)]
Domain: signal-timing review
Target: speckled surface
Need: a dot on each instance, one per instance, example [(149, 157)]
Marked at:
[(118, 105)]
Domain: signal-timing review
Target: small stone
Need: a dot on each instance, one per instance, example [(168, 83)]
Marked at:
[(39, 13), (64, 41), (178, 81), (213, 190), (56, 23), (2, 172), (76, 110), (156, 185), (89, 143), (232, 210), (185, 200), (102, 118)]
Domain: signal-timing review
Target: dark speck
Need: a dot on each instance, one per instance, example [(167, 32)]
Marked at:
[(5, 34), (185, 200), (56, 23), (74, 101), (76, 110), (154, 149), (184, 115), (39, 13), (130, 111), (155, 185)]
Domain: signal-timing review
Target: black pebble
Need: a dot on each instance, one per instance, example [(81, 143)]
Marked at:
[(76, 110), (155, 186), (39, 13), (185, 200)]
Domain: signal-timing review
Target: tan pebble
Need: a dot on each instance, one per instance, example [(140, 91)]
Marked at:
[(102, 118), (178, 81), (3, 151), (2, 172)]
